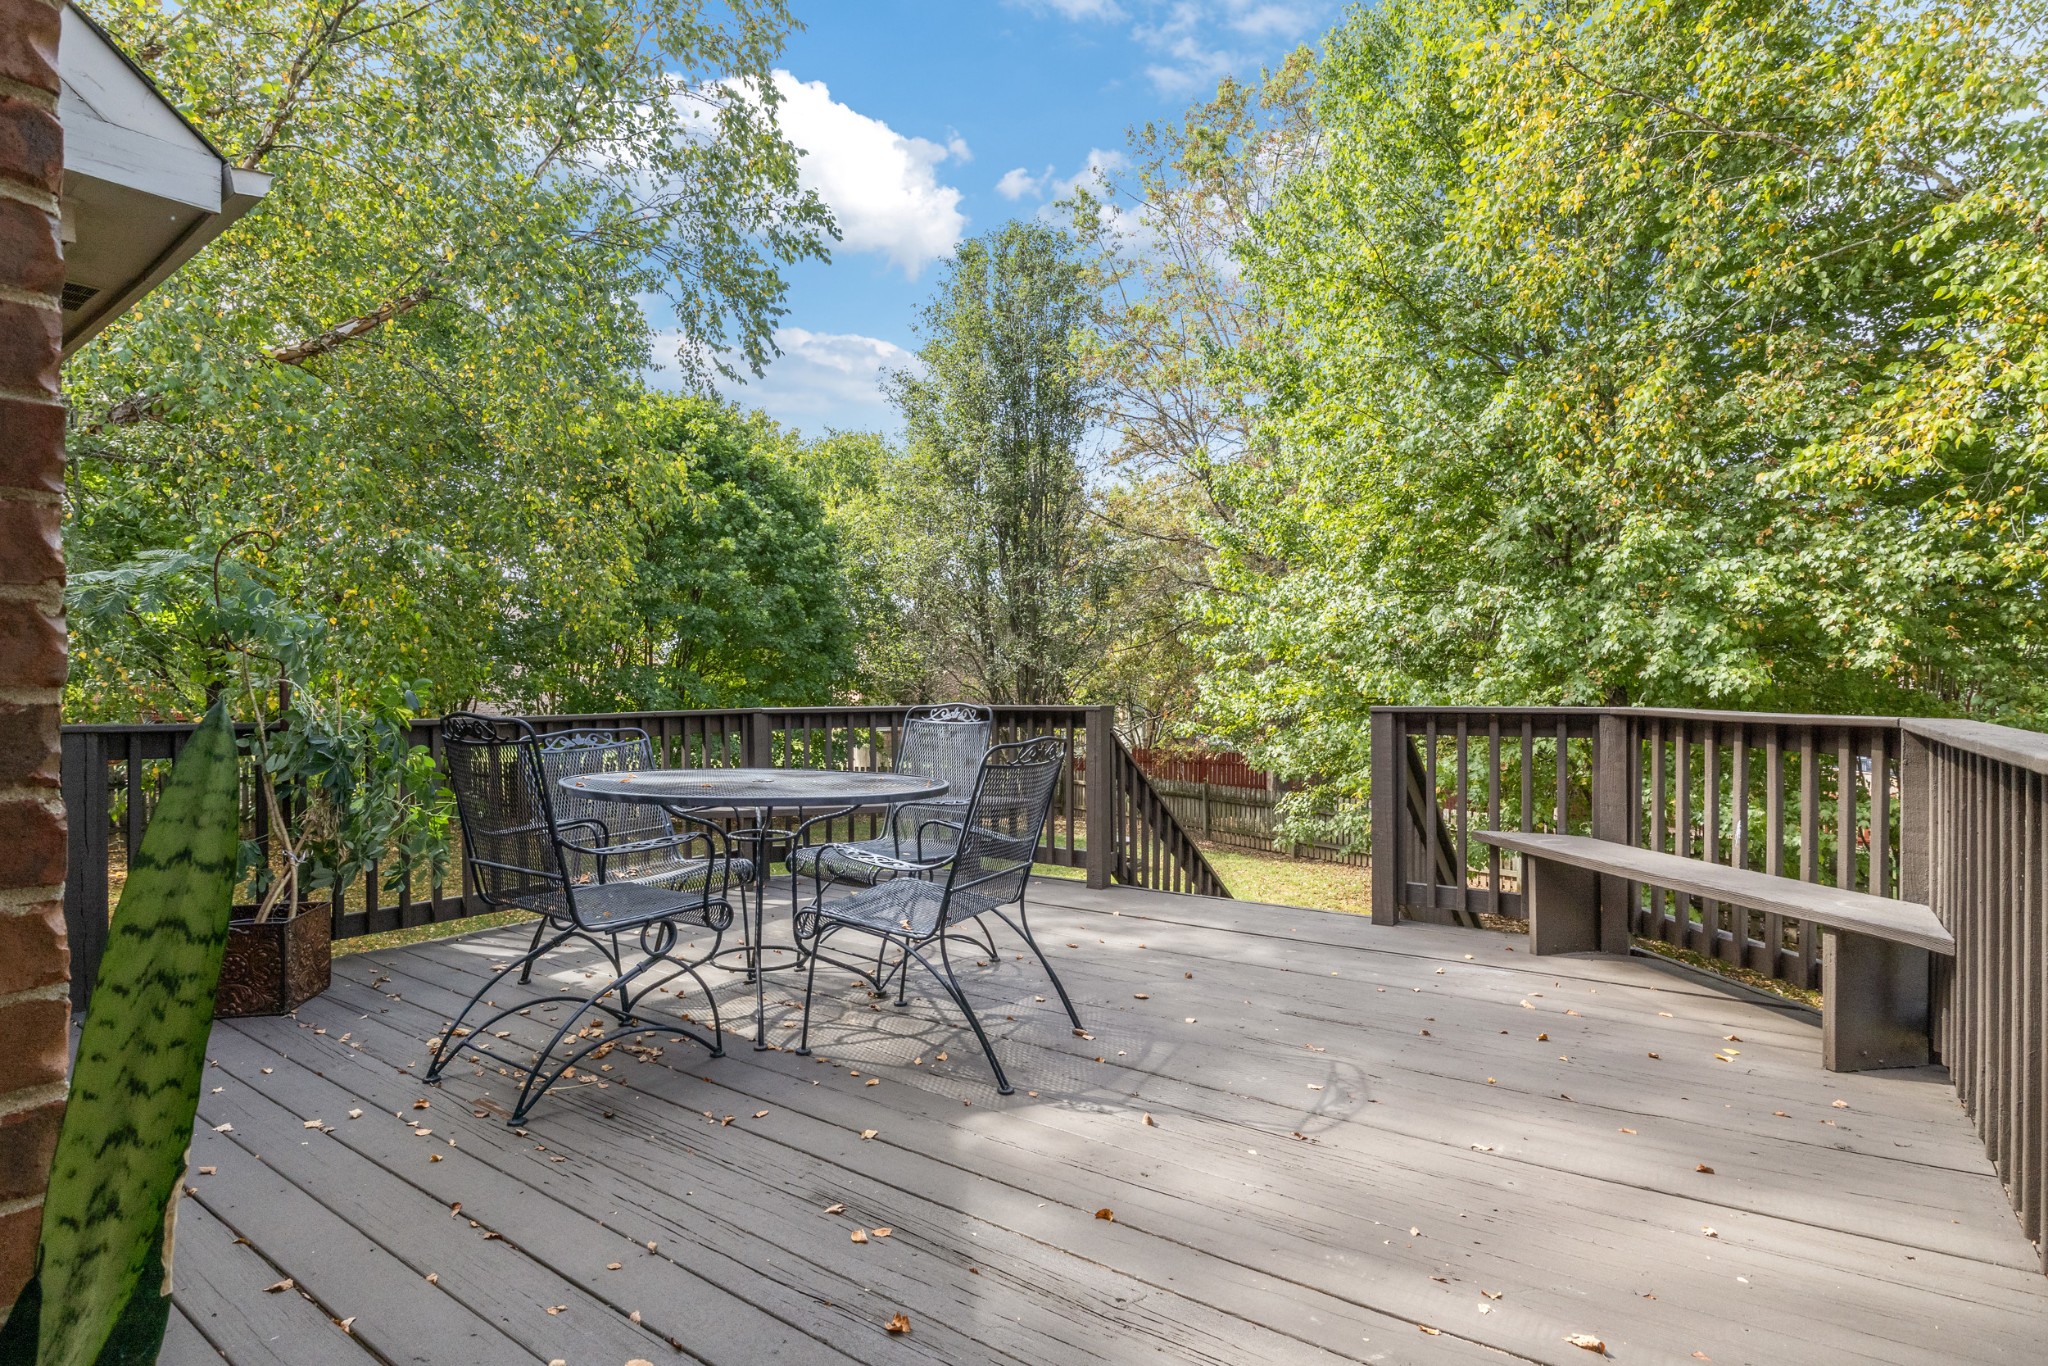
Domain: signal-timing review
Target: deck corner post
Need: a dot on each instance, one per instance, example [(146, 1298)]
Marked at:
[(1099, 793), (1612, 746), (1387, 778)]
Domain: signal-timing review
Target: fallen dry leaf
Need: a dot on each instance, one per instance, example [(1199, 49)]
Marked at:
[(1840, 1104), (1653, 1055), (355, 1114), (1701, 1356), (899, 1324), (278, 1287), (1491, 1294), (1587, 1341), (1628, 1131), (880, 1232), (1141, 996), (860, 1235), (867, 1134), (310, 1124), (346, 1325), (613, 1266), (760, 1114), (873, 1081), (833, 1208), (223, 1128), (1433, 1332), (434, 1278), (558, 1309), (208, 1171), (1542, 1038), (1703, 1167), (1108, 1214)]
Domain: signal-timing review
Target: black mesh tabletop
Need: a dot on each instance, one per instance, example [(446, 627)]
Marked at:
[(721, 787)]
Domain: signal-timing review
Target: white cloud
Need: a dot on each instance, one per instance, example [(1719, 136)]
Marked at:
[(1074, 9), (821, 379), (1098, 166), (1262, 21), (882, 187), (1191, 44), (1018, 182)]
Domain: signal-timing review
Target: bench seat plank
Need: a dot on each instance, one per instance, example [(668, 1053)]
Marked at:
[(1903, 922)]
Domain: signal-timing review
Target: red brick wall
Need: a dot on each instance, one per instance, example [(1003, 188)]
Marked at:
[(34, 967)]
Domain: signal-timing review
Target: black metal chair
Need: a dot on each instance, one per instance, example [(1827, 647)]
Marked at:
[(920, 904), (613, 878), (945, 742)]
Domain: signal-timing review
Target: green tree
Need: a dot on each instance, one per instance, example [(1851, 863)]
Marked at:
[(999, 565), (733, 594), (412, 361), (1682, 353), (1172, 307)]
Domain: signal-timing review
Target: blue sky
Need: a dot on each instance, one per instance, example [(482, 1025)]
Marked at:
[(925, 122)]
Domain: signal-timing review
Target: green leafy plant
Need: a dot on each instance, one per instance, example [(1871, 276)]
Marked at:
[(343, 784), (101, 1293)]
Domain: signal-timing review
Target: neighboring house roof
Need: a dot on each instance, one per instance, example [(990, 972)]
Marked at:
[(143, 189)]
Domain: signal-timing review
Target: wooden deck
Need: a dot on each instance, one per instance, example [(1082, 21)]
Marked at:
[(1322, 1142)]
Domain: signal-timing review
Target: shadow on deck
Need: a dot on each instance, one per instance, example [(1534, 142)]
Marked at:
[(1322, 1141)]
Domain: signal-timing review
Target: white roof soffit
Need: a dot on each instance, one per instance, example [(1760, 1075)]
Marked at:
[(143, 189)]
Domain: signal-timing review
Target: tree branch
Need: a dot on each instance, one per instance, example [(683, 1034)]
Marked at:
[(309, 348)]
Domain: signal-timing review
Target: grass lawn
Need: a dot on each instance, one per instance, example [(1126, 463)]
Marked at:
[(1293, 882)]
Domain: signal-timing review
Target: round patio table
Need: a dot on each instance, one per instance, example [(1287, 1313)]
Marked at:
[(698, 790)]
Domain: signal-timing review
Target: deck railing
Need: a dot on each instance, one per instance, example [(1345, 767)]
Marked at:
[(1950, 813), (1125, 833)]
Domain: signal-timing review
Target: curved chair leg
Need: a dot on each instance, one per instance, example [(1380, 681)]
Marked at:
[(451, 1042), (1022, 925), (952, 986), (532, 952), (803, 1043)]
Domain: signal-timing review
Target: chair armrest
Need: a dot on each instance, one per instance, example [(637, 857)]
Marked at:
[(956, 826)]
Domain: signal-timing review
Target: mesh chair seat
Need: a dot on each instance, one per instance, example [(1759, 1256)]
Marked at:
[(612, 906), (906, 906), (869, 861)]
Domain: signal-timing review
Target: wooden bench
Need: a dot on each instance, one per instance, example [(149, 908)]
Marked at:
[(1874, 950)]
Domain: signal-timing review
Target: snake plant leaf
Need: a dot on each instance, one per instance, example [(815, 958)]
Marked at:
[(105, 1254)]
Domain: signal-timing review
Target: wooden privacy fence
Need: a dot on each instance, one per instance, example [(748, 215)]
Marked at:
[(1953, 814), (1223, 800), (1126, 833)]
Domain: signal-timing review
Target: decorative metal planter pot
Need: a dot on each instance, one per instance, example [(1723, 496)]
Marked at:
[(274, 966)]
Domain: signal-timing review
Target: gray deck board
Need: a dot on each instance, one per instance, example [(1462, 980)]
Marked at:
[(1257, 1219)]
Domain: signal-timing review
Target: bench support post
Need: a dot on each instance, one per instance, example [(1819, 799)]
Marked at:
[(1563, 903), (1875, 1007)]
